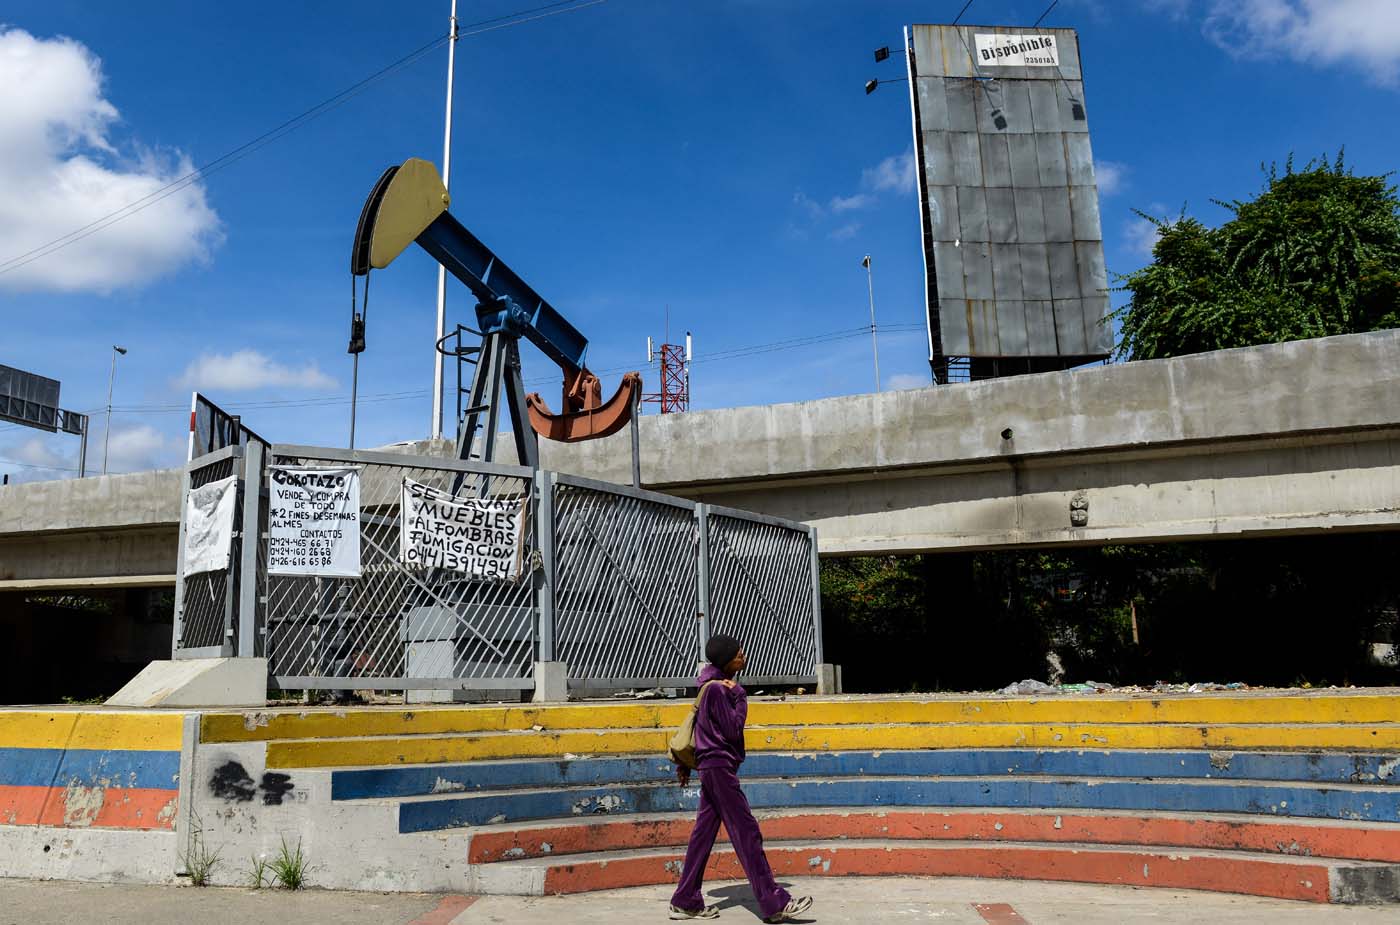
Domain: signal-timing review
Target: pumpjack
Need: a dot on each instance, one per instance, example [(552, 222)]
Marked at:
[(409, 205)]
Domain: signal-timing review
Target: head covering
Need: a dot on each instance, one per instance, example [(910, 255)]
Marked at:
[(721, 649)]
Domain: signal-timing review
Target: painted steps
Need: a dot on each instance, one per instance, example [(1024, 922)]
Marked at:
[(368, 737), (1306, 838), (1280, 877)]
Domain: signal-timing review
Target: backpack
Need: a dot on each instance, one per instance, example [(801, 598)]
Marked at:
[(681, 748)]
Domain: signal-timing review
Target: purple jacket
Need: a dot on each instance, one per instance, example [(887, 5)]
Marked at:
[(719, 723)]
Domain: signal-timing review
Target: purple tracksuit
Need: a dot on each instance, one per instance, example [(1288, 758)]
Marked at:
[(719, 749)]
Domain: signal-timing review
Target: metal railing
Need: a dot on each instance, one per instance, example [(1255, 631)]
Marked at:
[(622, 585)]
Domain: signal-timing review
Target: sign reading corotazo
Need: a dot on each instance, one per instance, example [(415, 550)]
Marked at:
[(313, 522), (997, 50), (479, 536)]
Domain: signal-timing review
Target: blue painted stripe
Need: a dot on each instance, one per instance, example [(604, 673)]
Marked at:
[(1290, 766), (42, 767), (1372, 804)]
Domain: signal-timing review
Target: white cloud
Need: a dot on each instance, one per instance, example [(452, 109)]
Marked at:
[(807, 204), (245, 370), (36, 452), (893, 174), (900, 381), (1111, 177), (136, 448), (845, 232), (851, 203), (60, 171), (1361, 34), (1140, 236)]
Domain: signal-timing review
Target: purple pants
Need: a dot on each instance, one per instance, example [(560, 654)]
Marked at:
[(721, 800)]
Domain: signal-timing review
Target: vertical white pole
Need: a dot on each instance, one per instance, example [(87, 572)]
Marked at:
[(438, 358)]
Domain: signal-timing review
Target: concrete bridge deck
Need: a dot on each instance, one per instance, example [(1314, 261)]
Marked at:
[(1302, 437)]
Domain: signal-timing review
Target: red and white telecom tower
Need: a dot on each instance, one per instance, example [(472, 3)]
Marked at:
[(675, 376)]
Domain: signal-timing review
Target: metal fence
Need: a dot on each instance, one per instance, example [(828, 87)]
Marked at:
[(207, 603), (626, 600), (399, 626), (622, 585), (764, 589)]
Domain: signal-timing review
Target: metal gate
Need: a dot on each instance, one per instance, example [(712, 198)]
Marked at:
[(764, 589), (626, 611), (207, 604), (397, 626)]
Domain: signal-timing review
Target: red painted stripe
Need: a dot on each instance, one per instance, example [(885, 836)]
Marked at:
[(1284, 837), (446, 911), (1278, 880), (998, 913), (89, 807)]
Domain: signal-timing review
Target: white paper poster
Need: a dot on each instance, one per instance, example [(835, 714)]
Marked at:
[(478, 536), (209, 526), (996, 50), (313, 522)]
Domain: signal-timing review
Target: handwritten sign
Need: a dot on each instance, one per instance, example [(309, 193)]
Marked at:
[(313, 522), (478, 536)]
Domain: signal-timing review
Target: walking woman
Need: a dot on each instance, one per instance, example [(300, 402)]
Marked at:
[(719, 749)]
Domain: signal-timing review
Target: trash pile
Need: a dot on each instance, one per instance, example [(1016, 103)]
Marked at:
[(1040, 688)]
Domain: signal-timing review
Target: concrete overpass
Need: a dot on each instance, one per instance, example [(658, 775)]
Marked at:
[(1282, 439)]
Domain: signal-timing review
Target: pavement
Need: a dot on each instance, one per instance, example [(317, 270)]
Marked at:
[(952, 901)]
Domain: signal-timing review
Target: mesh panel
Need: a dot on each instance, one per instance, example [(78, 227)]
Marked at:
[(625, 585), (396, 621), (206, 593), (761, 592)]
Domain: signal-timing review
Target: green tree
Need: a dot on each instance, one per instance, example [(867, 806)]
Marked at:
[(1316, 253)]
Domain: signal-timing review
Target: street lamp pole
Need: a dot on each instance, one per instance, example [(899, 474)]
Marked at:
[(438, 358), (111, 378), (870, 285)]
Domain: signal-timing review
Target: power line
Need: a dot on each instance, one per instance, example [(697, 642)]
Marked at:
[(1053, 4), (236, 154), (961, 12)]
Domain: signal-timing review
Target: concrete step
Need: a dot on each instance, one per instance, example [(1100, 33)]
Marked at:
[(1255, 707), (420, 780), (1293, 837), (1277, 798), (380, 751), (1280, 877)]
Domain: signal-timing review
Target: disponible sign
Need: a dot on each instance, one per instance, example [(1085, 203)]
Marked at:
[(313, 522), (1017, 50), (479, 536)]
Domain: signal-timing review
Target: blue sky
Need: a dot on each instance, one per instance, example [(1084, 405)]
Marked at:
[(718, 158)]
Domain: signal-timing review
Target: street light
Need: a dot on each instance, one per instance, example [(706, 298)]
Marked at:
[(111, 378), (870, 285)]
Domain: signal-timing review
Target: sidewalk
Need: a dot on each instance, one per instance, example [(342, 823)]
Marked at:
[(853, 900)]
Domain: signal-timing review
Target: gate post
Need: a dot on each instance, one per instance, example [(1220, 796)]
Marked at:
[(551, 677), (702, 577), (177, 633), (250, 540)]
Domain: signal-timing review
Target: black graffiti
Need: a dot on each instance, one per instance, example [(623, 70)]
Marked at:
[(274, 787), (231, 782)]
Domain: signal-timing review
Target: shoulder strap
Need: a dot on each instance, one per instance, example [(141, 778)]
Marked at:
[(701, 693)]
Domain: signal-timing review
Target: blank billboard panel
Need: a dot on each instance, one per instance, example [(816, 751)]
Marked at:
[(28, 399), (1013, 249)]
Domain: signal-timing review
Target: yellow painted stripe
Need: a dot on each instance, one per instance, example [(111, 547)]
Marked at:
[(1210, 710), (431, 749), (95, 729)]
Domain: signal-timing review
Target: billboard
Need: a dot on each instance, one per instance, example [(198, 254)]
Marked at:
[(26, 398), (1013, 251)]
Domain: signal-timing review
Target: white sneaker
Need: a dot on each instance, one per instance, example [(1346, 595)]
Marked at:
[(680, 915), (795, 907)]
